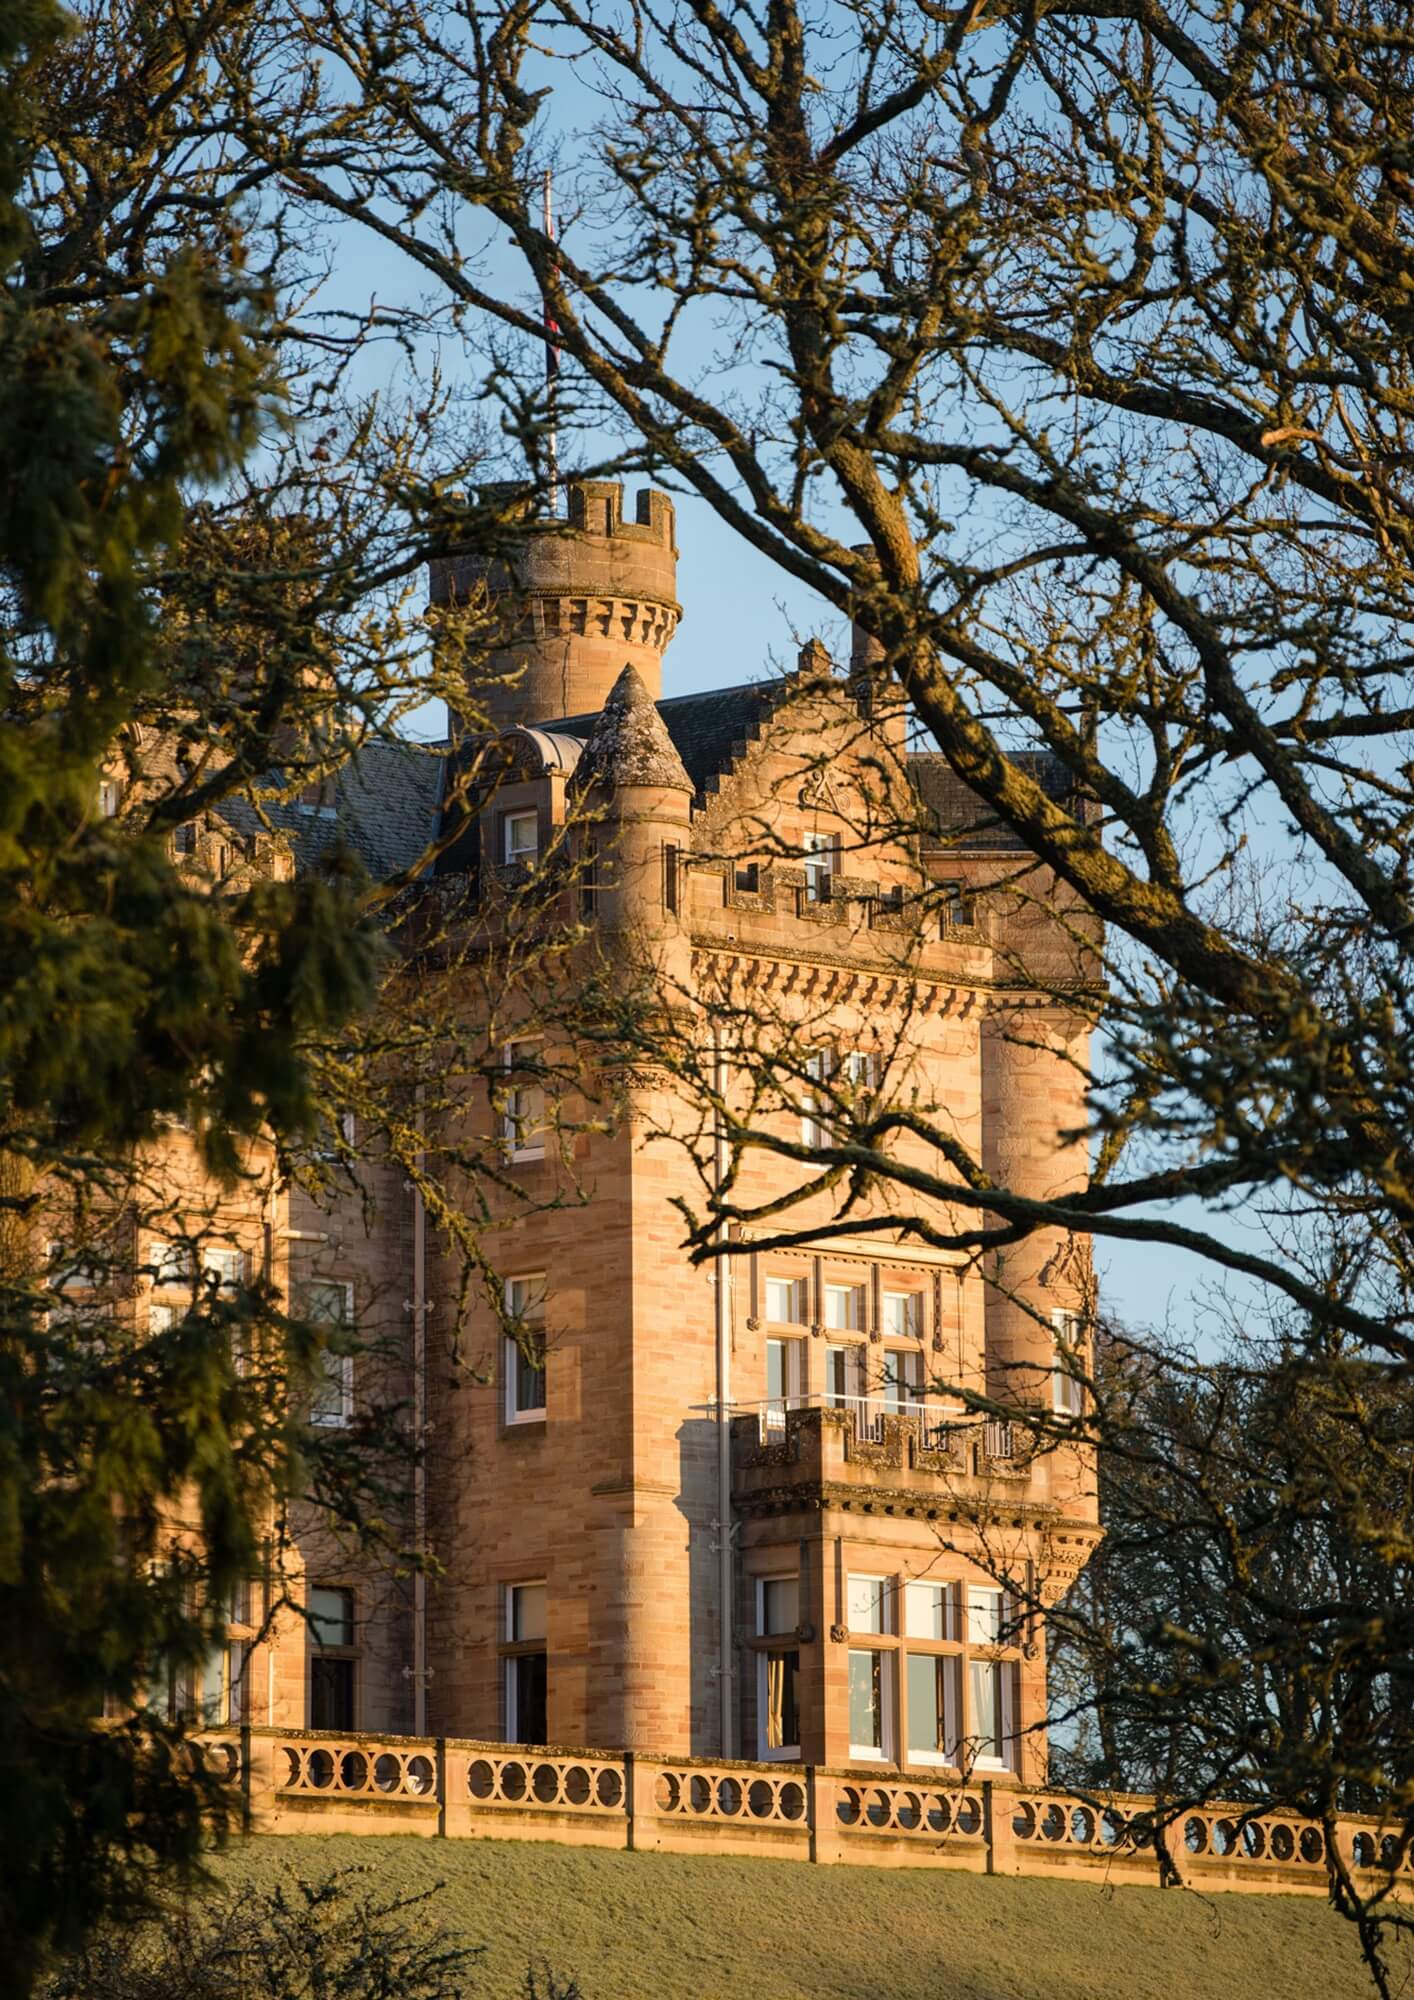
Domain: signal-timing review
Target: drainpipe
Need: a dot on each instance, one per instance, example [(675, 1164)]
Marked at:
[(419, 1418), (726, 1668)]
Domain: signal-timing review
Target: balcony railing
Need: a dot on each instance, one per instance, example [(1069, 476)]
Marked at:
[(937, 1425)]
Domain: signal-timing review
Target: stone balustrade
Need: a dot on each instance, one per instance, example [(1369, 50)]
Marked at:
[(307, 1781)]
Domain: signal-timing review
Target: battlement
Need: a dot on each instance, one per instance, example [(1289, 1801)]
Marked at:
[(580, 601)]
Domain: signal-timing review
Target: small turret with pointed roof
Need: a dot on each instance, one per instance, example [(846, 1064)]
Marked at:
[(630, 744)]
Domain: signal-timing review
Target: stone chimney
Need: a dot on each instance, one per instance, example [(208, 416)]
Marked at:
[(577, 604)]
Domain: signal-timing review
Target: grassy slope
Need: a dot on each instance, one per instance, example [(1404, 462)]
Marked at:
[(672, 1927)]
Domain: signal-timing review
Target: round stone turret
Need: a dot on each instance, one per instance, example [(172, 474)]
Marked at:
[(578, 604)]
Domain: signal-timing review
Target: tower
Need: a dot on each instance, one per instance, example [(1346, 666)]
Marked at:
[(577, 603)]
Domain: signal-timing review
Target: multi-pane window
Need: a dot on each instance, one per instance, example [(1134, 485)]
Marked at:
[(778, 1667), (822, 860), (859, 1068), (525, 1349), (985, 1615), (220, 1687), (223, 1266), (844, 1308), (328, 1303), (520, 837), (333, 1664), (523, 1113), (787, 1301), (172, 1263), (110, 797), (1067, 1368), (902, 1315), (990, 1680), (525, 1662)]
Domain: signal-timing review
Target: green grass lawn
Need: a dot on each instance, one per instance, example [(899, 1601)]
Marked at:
[(674, 1927)]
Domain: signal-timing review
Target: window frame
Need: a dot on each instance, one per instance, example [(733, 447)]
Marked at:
[(882, 1752), (511, 856), (514, 1120), (514, 1354), (820, 860), (1067, 1388), (345, 1652), (859, 1294), (514, 1650), (343, 1379), (799, 1289)]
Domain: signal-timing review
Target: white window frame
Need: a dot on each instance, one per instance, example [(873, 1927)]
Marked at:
[(954, 1667), (912, 1315), (110, 797), (510, 1660), (1005, 1673), (340, 1376), (948, 1593), (820, 853), (783, 1753), (513, 853), (819, 1067), (793, 1355), (1067, 1389), (882, 1752), (226, 1264), (884, 1594), (172, 1263), (852, 1359), (799, 1291), (897, 1393), (514, 1120), (513, 1354), (975, 1593), (858, 1294)]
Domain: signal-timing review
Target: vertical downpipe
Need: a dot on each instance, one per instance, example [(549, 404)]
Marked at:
[(419, 1418), (726, 1668)]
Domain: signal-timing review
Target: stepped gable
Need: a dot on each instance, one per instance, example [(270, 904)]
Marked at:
[(629, 744), (960, 821)]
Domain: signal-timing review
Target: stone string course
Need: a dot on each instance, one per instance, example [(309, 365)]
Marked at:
[(312, 1781)]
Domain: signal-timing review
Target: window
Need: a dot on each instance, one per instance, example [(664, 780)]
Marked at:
[(903, 1378), (1068, 1367), (525, 1350), (822, 860), (813, 1129), (868, 1604), (172, 1263), (930, 1611), (842, 1376), (867, 1720), (932, 1687), (332, 1665), (523, 1119), (521, 837), (224, 1266), (860, 1069), (160, 1318), (329, 1303), (985, 1616), (782, 1379), (525, 1665), (903, 1315), (110, 797), (787, 1301), (989, 1724), (844, 1308), (746, 877), (778, 1668), (220, 1687)]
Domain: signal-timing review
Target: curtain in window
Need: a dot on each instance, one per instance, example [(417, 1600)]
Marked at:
[(775, 1701)]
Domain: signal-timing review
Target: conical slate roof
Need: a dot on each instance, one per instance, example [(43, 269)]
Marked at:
[(629, 743)]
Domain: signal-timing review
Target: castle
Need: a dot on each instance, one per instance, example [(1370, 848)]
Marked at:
[(734, 1508)]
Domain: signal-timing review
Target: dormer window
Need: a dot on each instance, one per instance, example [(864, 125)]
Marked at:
[(520, 838), (822, 863)]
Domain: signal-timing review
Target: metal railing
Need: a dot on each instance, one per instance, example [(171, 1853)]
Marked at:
[(936, 1424)]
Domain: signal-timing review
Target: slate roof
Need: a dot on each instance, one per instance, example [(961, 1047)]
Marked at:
[(706, 729), (957, 818), (387, 808)]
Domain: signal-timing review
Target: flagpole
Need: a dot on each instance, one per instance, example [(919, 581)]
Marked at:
[(552, 356)]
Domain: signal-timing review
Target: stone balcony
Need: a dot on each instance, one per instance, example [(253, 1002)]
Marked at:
[(917, 1460)]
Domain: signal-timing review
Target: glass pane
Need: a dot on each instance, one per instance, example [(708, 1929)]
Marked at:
[(780, 1604), (331, 1616), (927, 1705), (986, 1687), (925, 1611), (780, 1675), (867, 1604), (781, 1301), (984, 1616), (866, 1701), (528, 1616), (529, 1689), (529, 1382), (836, 1374), (331, 1694), (775, 1368), (323, 1301), (525, 1297), (213, 1686)]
